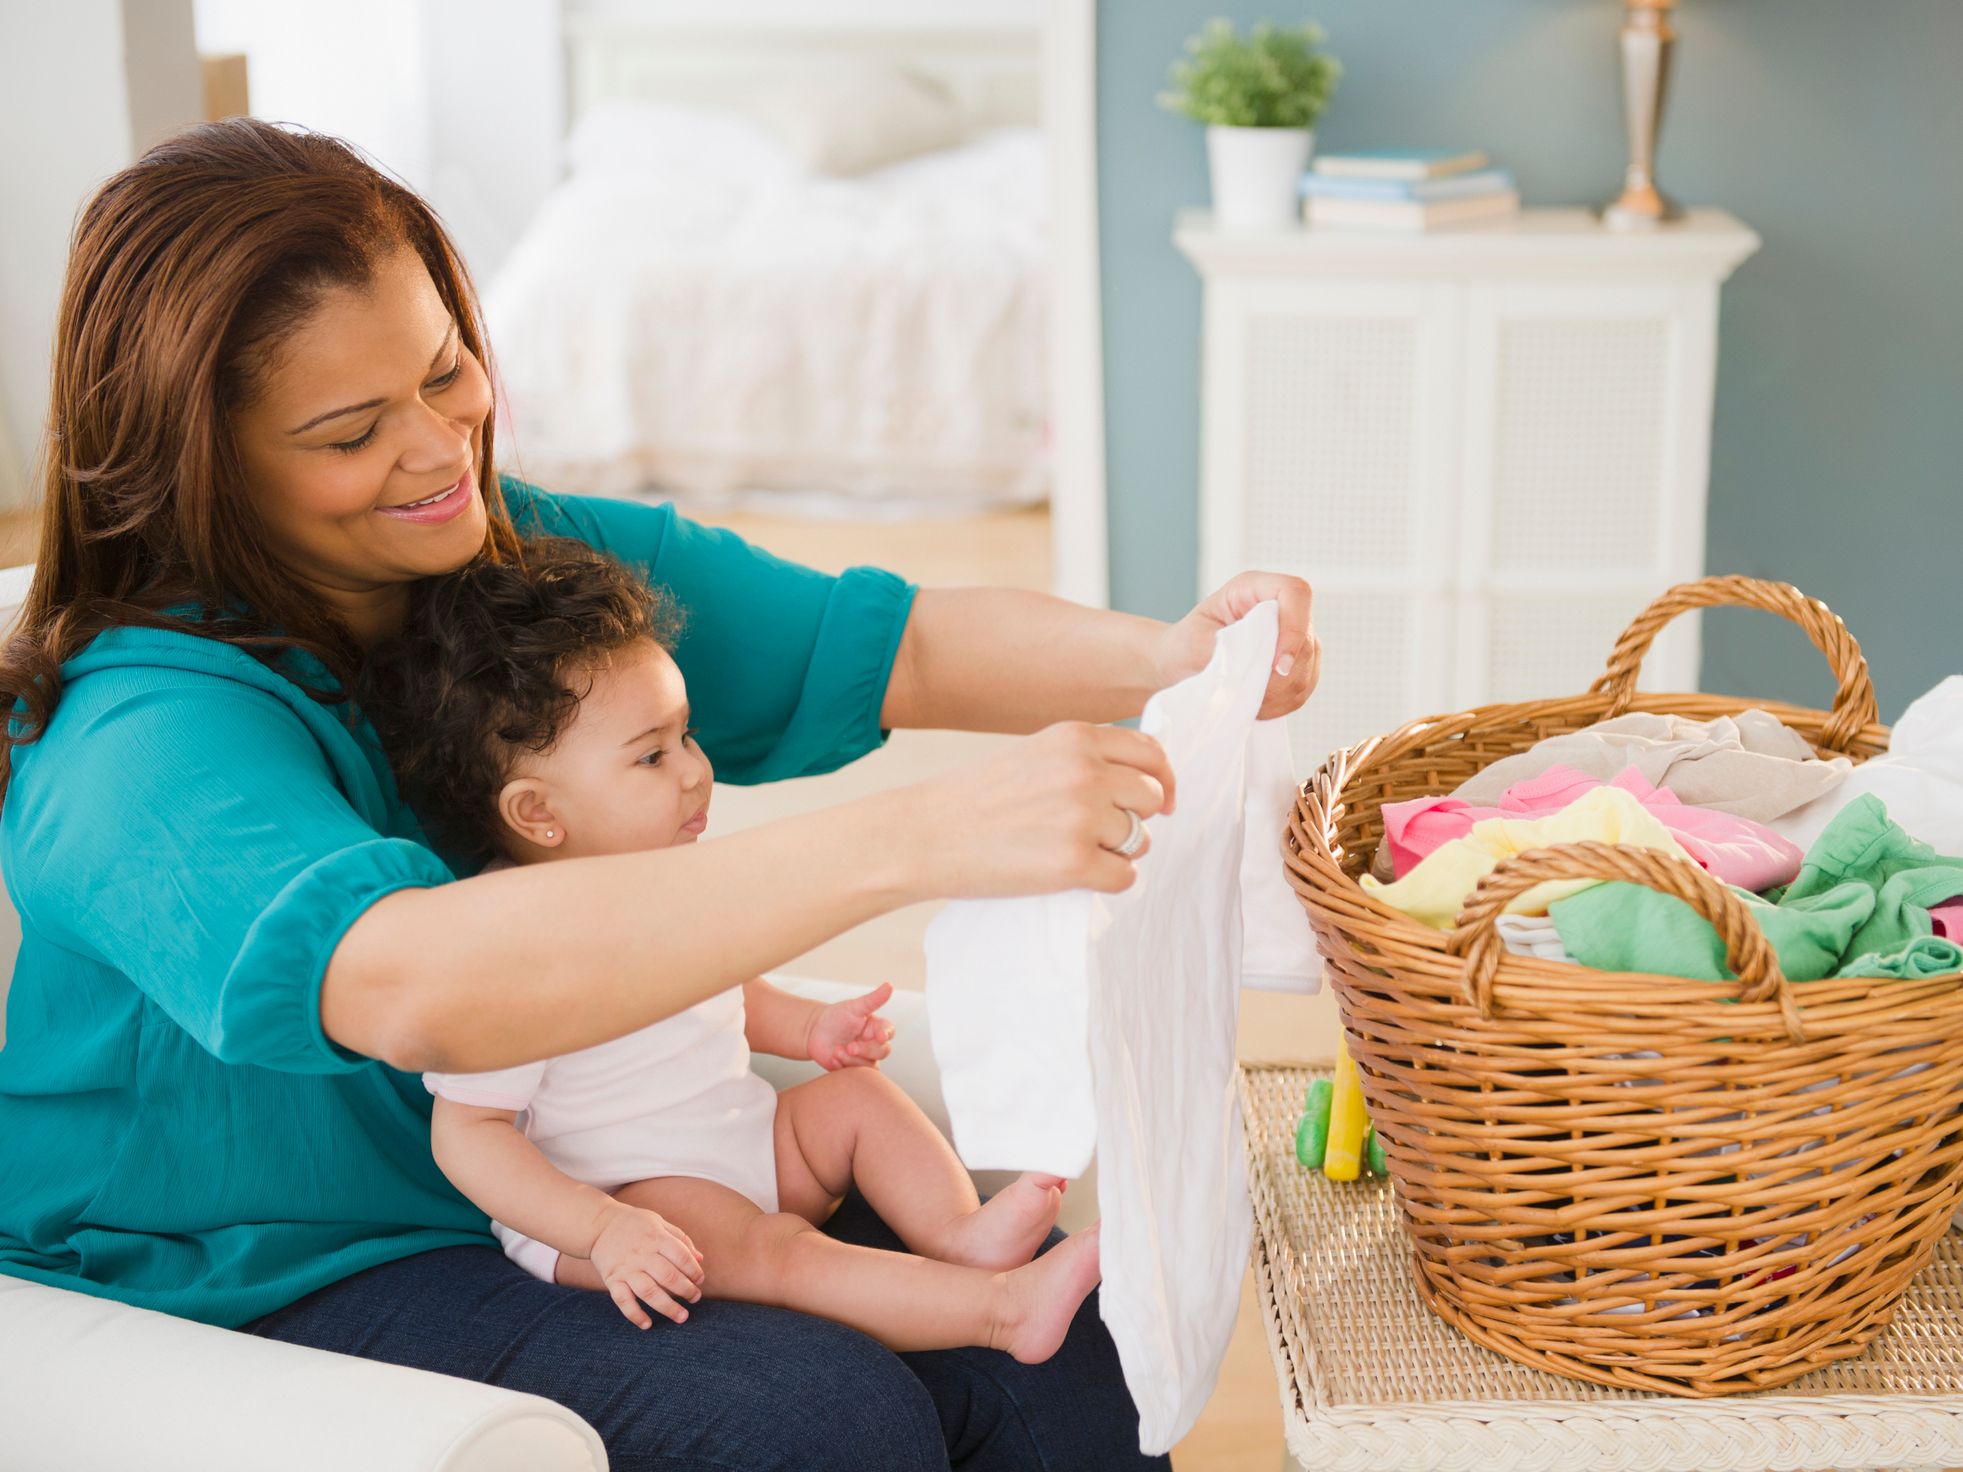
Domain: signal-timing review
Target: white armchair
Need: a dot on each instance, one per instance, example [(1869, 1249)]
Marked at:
[(91, 1385)]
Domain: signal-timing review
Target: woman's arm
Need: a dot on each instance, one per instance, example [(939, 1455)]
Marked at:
[(1004, 659), (546, 959)]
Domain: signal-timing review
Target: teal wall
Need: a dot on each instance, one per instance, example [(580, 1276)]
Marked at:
[(1834, 129)]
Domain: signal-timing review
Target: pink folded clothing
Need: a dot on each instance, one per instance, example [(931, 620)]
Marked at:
[(1736, 850)]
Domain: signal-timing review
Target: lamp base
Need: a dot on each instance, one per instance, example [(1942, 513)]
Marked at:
[(1647, 39), (1641, 207)]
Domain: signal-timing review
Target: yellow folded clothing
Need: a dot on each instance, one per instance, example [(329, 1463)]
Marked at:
[(1436, 889)]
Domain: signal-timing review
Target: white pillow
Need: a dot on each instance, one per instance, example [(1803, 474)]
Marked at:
[(855, 116)]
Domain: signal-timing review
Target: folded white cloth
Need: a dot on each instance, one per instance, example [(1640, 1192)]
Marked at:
[(1919, 778), (1068, 1019), (1532, 935)]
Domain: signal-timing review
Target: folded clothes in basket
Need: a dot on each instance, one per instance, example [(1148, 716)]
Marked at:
[(1860, 907), (1919, 777), (1734, 849), (1435, 890), (1751, 765)]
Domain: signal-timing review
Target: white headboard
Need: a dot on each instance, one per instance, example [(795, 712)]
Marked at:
[(704, 56)]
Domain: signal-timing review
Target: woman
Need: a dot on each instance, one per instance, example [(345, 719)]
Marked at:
[(272, 414)]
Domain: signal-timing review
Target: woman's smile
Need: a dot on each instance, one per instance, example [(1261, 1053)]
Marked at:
[(443, 506)]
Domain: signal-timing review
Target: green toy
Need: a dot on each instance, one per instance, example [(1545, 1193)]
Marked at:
[(1312, 1134), (1373, 1154)]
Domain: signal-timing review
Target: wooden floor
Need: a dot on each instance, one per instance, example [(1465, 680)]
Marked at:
[(1240, 1430)]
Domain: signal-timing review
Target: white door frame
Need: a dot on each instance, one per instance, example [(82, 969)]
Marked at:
[(1079, 531)]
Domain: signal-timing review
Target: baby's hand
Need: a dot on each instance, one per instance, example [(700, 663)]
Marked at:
[(849, 1035), (643, 1256)]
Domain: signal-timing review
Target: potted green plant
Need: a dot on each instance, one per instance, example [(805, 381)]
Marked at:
[(1259, 96)]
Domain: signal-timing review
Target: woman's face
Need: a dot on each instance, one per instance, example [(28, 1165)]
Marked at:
[(361, 445)]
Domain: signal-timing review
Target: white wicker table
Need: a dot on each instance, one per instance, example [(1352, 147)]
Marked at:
[(1371, 1381)]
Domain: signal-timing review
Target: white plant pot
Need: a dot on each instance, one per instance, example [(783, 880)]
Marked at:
[(1257, 175)]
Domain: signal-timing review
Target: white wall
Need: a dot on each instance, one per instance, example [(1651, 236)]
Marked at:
[(160, 70), (461, 99), (497, 119), (906, 14), (355, 70), (85, 85)]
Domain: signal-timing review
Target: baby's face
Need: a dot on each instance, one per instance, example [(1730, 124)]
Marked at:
[(626, 774)]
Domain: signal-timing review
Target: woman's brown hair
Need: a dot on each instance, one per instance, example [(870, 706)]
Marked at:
[(185, 271)]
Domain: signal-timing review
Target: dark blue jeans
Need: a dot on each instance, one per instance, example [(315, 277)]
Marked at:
[(738, 1386)]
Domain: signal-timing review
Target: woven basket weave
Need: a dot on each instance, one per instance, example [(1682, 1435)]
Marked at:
[(1669, 1185)]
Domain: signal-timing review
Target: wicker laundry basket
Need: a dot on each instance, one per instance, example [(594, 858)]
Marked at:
[(1670, 1185)]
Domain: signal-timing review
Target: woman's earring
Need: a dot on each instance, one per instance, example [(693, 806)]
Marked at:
[(550, 833)]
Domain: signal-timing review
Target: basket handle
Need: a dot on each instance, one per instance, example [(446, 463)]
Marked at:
[(1477, 942), (1853, 702)]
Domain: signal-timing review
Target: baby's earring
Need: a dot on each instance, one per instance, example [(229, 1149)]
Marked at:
[(551, 833)]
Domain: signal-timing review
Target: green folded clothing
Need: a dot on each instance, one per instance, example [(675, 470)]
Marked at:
[(1860, 907), (1926, 955)]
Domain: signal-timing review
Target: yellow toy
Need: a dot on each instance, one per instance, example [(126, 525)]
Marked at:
[(1315, 1134), (1342, 1159)]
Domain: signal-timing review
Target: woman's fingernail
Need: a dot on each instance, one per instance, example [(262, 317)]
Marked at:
[(1284, 665)]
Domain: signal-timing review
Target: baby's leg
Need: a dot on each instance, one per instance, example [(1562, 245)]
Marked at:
[(905, 1302), (855, 1126)]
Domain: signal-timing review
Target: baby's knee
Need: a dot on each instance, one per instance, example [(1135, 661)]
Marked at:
[(771, 1251), (866, 1090)]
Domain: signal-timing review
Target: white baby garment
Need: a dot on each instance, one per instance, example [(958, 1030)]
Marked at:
[(1066, 1021), (673, 1099)]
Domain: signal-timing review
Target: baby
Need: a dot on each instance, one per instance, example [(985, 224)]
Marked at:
[(533, 713)]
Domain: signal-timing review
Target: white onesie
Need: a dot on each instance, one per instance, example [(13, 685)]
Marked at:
[(674, 1099)]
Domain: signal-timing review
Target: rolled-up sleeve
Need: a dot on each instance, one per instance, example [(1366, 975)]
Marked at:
[(192, 835), (787, 667)]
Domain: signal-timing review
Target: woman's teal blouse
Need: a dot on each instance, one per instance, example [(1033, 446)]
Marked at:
[(187, 844)]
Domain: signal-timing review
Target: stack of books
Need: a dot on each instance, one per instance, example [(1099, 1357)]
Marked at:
[(1401, 189)]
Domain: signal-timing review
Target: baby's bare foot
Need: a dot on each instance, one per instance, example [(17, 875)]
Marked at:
[(1008, 1228), (1042, 1298)]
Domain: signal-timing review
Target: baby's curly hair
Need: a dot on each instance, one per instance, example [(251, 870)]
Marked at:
[(493, 660)]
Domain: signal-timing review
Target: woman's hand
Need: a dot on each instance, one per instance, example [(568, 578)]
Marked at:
[(1044, 814), (851, 1034), (1186, 646), (645, 1258)]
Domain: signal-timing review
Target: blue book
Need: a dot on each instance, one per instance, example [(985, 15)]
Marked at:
[(1455, 186), (1401, 163)]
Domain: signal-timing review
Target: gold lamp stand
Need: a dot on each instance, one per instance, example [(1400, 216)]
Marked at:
[(1647, 41)]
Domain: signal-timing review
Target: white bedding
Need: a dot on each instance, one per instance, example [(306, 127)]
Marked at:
[(691, 313)]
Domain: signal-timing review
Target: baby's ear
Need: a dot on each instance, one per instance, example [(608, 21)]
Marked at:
[(526, 811)]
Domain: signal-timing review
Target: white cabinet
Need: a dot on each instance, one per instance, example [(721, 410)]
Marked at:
[(1486, 448)]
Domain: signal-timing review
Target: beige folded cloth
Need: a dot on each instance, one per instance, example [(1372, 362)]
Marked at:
[(1751, 765)]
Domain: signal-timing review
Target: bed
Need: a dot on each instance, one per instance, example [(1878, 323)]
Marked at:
[(724, 303)]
